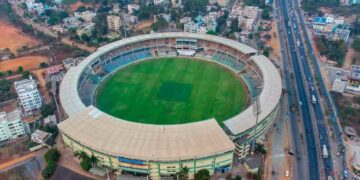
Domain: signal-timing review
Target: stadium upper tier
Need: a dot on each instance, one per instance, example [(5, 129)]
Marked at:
[(101, 132)]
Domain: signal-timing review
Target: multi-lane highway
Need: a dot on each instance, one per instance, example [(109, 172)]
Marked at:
[(312, 114)]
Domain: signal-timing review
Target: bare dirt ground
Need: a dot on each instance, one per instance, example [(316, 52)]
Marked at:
[(350, 56), (13, 38), (274, 41), (143, 25), (27, 62), (73, 7)]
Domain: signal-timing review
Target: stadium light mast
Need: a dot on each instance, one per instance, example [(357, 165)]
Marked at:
[(256, 110)]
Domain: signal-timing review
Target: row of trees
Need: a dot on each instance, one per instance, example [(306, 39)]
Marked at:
[(51, 158), (87, 162)]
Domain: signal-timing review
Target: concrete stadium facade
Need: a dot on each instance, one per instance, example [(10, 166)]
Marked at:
[(162, 150)]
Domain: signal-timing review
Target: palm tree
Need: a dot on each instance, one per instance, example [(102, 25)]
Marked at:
[(80, 154)]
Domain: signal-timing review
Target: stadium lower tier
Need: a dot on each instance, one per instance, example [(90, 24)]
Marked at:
[(153, 168)]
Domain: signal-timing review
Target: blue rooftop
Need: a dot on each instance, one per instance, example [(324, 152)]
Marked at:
[(320, 20)]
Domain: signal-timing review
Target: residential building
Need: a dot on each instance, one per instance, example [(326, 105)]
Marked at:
[(39, 136), (59, 28), (28, 95), (341, 34), (116, 8), (113, 22), (87, 16), (344, 2), (222, 3), (190, 27), (71, 22), (250, 12), (175, 3), (72, 62), (355, 74), (157, 2), (11, 126), (132, 7), (185, 20), (253, 163), (34, 7), (86, 28), (130, 19)]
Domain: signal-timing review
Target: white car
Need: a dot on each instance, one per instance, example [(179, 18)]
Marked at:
[(287, 174)]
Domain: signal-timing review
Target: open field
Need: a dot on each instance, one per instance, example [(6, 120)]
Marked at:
[(27, 62), (13, 38), (274, 41), (172, 91), (351, 57)]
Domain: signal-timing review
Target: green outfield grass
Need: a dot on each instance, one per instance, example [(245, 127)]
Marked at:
[(172, 91)]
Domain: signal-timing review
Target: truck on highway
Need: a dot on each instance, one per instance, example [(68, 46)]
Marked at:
[(325, 152), (313, 99), (298, 43)]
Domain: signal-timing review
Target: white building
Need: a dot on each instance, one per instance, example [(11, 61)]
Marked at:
[(113, 22), (250, 12), (39, 136), (221, 3), (157, 2), (190, 27), (132, 7), (11, 126), (86, 28), (130, 19), (88, 16), (33, 7), (28, 95)]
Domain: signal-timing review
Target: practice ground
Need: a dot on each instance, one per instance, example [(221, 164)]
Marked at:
[(13, 38), (172, 91), (27, 62)]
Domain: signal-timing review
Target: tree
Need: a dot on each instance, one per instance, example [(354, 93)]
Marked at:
[(160, 24), (85, 38), (47, 109), (43, 65), (25, 74), (49, 170), (9, 72), (183, 174), (211, 32), (265, 14), (20, 69), (266, 52), (5, 90), (203, 174), (234, 27), (52, 155), (260, 148), (195, 8), (2, 74), (85, 164), (356, 44), (334, 50)]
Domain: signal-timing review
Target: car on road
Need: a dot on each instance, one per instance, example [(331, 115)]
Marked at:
[(346, 173), (287, 173)]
